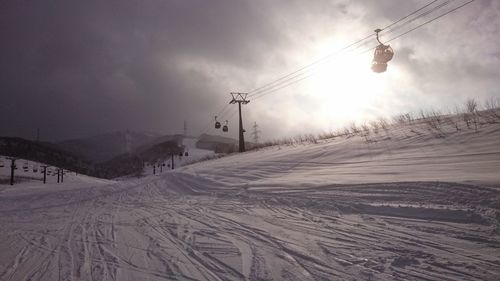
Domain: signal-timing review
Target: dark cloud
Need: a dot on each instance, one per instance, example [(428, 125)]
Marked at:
[(75, 68), (89, 66)]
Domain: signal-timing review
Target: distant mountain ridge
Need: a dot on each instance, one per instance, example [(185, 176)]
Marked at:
[(105, 147), (43, 152), (110, 155)]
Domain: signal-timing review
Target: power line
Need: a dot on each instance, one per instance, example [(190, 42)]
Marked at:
[(271, 84), (276, 83), (431, 20), (445, 3), (288, 79), (259, 89), (276, 87), (283, 85), (409, 15)]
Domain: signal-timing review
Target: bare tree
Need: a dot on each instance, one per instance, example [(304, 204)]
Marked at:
[(365, 131), (456, 118), (354, 128), (409, 117), (384, 124), (375, 126), (492, 110), (346, 131), (471, 107)]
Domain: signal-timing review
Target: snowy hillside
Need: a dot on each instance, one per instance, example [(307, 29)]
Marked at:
[(29, 174), (402, 154), (406, 204), (107, 146), (191, 154)]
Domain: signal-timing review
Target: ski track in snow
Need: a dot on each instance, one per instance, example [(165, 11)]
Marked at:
[(153, 231), (342, 210)]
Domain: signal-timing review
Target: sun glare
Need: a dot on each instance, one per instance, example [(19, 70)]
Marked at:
[(345, 88)]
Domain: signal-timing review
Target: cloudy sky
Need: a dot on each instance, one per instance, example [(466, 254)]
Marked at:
[(80, 68)]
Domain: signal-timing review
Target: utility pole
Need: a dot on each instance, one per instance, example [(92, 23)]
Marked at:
[(12, 168), (240, 98), (62, 175), (172, 154), (44, 174), (58, 175), (255, 132)]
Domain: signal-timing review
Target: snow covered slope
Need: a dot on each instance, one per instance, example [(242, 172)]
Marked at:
[(404, 154), (29, 174), (194, 154), (406, 205)]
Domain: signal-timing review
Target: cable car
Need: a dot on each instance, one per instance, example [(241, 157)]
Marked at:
[(225, 128), (382, 55), (217, 123), (186, 153)]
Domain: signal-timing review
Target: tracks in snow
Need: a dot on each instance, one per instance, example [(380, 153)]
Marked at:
[(178, 228)]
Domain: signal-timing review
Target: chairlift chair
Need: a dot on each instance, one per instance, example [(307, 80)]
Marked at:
[(217, 123), (225, 128), (382, 55)]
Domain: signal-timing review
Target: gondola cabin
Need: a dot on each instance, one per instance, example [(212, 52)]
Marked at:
[(217, 123), (382, 55)]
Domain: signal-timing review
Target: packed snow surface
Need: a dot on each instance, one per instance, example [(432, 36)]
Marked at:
[(399, 206)]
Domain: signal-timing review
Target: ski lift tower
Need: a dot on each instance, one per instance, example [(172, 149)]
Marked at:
[(240, 98), (12, 168)]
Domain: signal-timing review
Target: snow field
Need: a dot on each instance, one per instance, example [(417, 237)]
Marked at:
[(400, 207)]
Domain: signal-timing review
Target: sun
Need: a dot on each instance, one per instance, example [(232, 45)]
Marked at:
[(345, 88)]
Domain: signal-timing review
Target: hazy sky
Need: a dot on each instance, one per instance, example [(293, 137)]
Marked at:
[(79, 68)]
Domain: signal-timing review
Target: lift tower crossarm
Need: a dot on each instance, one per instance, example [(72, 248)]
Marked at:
[(240, 98)]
